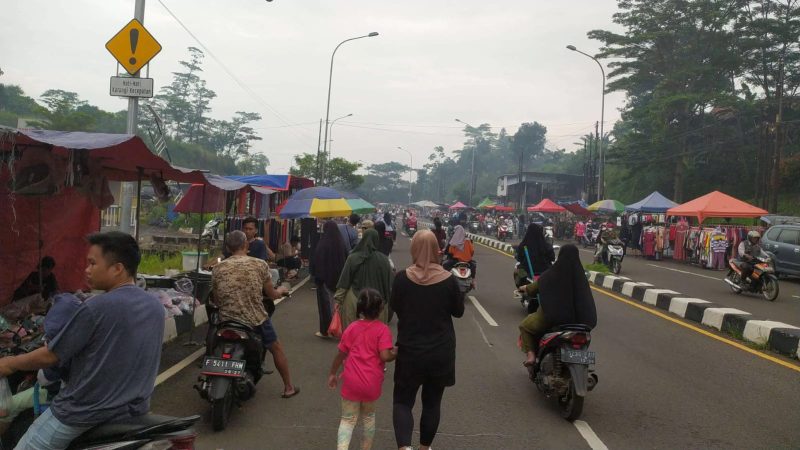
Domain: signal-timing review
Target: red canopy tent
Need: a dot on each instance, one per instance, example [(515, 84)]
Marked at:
[(502, 208), (716, 204), (578, 210), (458, 205), (547, 206)]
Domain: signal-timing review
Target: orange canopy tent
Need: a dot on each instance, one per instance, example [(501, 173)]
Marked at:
[(716, 204), (547, 206)]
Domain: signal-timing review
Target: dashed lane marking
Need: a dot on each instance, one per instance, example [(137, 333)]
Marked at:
[(483, 311), (686, 272), (591, 437)]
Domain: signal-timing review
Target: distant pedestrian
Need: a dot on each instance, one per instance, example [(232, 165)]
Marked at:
[(349, 232), (365, 348), (366, 267), (326, 268), (425, 298), (385, 244)]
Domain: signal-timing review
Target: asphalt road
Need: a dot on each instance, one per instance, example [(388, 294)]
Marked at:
[(662, 385), (708, 285)]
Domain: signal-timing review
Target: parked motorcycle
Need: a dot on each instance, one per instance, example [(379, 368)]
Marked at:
[(231, 371), (763, 279), (211, 229), (612, 258), (502, 232), (563, 368), (548, 234), (149, 431), (463, 274)]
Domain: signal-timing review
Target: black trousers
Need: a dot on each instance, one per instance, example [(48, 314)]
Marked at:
[(404, 398), (325, 306)]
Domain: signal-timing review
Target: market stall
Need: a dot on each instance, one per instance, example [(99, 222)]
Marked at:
[(547, 206), (53, 185), (653, 203)]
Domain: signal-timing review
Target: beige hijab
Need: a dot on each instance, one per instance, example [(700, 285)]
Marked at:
[(426, 269)]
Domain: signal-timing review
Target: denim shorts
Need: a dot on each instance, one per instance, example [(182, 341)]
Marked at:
[(267, 332)]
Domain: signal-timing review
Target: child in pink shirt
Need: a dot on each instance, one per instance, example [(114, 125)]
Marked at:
[(365, 347)]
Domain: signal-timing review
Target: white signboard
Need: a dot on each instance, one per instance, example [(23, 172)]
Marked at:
[(131, 87)]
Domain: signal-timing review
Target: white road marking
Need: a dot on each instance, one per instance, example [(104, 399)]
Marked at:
[(591, 437), (686, 272), (480, 328), (796, 296), (483, 312), (165, 375)]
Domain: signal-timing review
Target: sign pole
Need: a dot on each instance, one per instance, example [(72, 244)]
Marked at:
[(133, 112)]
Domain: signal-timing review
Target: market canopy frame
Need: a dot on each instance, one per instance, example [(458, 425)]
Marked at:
[(716, 204), (547, 206), (653, 203)]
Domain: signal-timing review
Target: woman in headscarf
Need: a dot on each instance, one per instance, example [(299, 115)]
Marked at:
[(366, 267), (459, 249), (564, 298), (425, 298), (385, 244), (541, 254), (326, 268)]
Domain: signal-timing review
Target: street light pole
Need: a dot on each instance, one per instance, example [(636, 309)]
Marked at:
[(410, 171), (330, 80), (330, 145), (602, 155), (472, 171)]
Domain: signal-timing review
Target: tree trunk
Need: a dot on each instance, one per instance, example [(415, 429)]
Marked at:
[(680, 170)]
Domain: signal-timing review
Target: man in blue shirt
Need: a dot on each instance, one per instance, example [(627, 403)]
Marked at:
[(349, 233), (112, 346)]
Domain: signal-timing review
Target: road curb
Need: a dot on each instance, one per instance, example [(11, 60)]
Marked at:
[(776, 336), (489, 242)]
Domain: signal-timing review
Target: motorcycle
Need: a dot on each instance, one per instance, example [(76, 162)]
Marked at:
[(764, 281), (590, 237), (490, 228), (612, 258), (563, 368), (463, 274), (211, 229), (474, 227), (502, 232), (231, 371), (548, 234), (146, 431)]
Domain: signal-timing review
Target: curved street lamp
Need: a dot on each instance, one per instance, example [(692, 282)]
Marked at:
[(600, 179), (330, 145), (330, 80), (410, 171)]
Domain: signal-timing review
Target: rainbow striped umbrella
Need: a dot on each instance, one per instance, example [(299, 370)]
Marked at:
[(607, 207), (323, 202)]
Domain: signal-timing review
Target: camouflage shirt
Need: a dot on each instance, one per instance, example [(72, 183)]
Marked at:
[(237, 286)]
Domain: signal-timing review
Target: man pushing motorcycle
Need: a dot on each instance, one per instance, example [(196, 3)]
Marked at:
[(749, 251)]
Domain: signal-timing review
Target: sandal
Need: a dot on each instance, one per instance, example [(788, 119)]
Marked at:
[(323, 336), (292, 394)]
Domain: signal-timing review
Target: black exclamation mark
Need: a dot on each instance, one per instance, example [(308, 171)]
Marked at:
[(134, 41)]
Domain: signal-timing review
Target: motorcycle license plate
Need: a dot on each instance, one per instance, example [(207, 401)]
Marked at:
[(577, 356), (223, 367)]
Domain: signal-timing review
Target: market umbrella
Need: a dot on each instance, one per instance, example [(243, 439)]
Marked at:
[(607, 207), (547, 206), (458, 205), (425, 204), (485, 203), (323, 202)]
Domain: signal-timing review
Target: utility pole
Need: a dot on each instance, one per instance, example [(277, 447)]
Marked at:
[(600, 162), (319, 161), (519, 178), (133, 112)]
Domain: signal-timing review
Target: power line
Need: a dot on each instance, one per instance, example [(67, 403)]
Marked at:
[(236, 79)]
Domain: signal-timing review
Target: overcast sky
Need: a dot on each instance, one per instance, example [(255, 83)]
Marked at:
[(496, 62)]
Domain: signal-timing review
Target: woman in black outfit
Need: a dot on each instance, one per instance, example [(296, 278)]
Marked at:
[(540, 252), (326, 267), (385, 244), (425, 298)]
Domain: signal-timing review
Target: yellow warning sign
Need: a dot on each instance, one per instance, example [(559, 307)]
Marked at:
[(133, 46)]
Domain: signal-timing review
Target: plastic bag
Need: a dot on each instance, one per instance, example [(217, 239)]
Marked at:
[(335, 328), (5, 398)]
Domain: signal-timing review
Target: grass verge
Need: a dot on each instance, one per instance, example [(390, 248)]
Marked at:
[(154, 264), (597, 267)]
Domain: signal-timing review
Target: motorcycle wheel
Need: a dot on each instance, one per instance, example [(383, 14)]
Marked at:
[(733, 276), (572, 405), (221, 410), (616, 266), (769, 288)]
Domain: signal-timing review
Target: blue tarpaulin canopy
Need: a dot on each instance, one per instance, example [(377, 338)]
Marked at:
[(279, 182), (653, 203)]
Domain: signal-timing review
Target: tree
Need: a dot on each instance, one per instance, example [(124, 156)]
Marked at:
[(340, 172), (384, 183), (253, 164)]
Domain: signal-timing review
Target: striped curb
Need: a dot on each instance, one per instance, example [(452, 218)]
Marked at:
[(178, 325), (777, 336), (487, 241)]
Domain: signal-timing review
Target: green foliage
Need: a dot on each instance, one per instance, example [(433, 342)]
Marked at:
[(340, 173), (597, 267), (154, 264), (385, 183)]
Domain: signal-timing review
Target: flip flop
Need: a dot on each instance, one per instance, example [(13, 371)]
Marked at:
[(528, 363), (296, 391)]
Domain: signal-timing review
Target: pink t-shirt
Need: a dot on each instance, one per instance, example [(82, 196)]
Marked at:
[(362, 377)]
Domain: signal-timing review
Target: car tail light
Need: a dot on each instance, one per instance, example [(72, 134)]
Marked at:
[(184, 442), (579, 340), (231, 335), (226, 356)]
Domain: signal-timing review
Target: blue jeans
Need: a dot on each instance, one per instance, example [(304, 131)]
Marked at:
[(48, 433)]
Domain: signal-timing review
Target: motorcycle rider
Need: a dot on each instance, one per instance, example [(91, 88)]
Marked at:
[(411, 221), (460, 249), (606, 236), (439, 232), (749, 251), (540, 252)]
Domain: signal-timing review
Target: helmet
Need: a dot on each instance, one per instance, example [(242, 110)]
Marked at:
[(753, 234)]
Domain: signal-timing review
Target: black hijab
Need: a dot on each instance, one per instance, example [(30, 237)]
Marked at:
[(564, 293), (385, 244), (541, 253), (329, 255)]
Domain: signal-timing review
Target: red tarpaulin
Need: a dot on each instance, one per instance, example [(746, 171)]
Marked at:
[(547, 206), (192, 201), (716, 204), (502, 208), (458, 205), (578, 210)]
